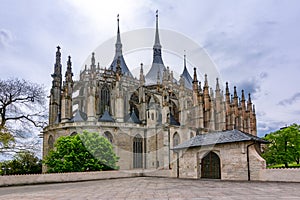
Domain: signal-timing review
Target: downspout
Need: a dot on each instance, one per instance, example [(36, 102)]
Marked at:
[(145, 149), (248, 161), (177, 165), (169, 148)]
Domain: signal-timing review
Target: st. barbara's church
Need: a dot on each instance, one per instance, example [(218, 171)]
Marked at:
[(156, 121)]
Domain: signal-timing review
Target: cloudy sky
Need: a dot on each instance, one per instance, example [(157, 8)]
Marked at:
[(255, 44)]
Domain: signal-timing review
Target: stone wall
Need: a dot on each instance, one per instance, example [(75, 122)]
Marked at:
[(78, 176), (62, 177), (280, 175)]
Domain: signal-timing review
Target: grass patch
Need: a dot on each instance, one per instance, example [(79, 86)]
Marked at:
[(291, 165)]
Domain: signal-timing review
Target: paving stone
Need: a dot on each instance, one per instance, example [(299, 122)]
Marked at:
[(155, 188)]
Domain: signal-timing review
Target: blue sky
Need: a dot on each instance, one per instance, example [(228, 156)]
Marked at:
[(255, 44)]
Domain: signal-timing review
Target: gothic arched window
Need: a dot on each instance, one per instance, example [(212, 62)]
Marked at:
[(50, 142), (108, 136), (138, 151), (104, 99), (176, 139)]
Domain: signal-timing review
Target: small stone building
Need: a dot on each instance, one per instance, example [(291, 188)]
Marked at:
[(226, 155)]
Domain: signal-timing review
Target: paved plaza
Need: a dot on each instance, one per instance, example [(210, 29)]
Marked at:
[(154, 188)]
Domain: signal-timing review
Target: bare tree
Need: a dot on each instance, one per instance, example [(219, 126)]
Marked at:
[(22, 108)]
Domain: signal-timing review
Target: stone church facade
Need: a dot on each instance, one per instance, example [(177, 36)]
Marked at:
[(145, 117)]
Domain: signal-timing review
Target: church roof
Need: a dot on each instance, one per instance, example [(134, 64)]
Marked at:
[(106, 117), (79, 116), (188, 81), (119, 54), (219, 137), (133, 118), (123, 65)]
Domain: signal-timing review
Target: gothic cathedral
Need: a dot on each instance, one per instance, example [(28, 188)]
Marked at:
[(143, 118)]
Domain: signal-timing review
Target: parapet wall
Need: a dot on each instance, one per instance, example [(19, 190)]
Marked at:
[(282, 175), (62, 177), (77, 176)]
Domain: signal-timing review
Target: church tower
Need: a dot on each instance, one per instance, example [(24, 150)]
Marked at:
[(158, 66), (55, 93)]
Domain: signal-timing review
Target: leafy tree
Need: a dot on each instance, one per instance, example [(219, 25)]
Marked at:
[(82, 152), (284, 146), (22, 107), (24, 162)]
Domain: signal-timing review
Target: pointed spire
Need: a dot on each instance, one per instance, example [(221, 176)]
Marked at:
[(249, 98), (58, 55), (141, 70), (243, 96), (217, 84), (118, 42), (57, 77), (93, 62), (227, 94), (206, 90), (157, 42), (69, 73), (118, 54), (142, 77), (234, 92), (69, 63), (249, 103), (227, 89), (195, 81), (186, 75), (205, 81), (93, 58), (235, 97), (157, 63), (243, 101), (195, 75)]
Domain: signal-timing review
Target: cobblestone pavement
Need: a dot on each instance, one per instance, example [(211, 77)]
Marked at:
[(155, 188)]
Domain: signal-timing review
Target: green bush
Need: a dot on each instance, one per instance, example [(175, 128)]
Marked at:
[(82, 152), (24, 162)]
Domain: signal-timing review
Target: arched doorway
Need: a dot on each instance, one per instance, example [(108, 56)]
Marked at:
[(138, 151), (210, 166)]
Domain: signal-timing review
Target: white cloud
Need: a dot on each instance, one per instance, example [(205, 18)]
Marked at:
[(244, 38)]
